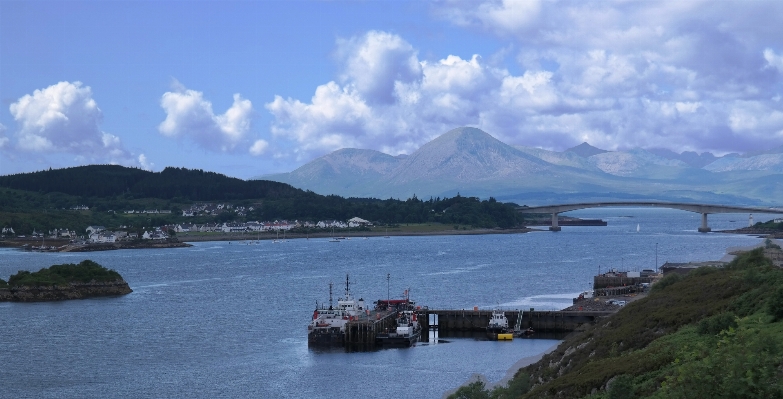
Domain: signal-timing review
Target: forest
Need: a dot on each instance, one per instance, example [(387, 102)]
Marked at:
[(45, 200)]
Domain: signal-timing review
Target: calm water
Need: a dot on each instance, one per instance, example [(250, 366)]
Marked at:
[(229, 320)]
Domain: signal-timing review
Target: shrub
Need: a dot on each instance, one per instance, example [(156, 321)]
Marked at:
[(84, 272), (666, 281), (474, 390), (715, 324), (775, 304), (621, 388)]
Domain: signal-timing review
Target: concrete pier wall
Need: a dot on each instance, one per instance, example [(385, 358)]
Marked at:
[(477, 320)]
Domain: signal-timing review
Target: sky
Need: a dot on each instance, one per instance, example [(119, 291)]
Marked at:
[(250, 88)]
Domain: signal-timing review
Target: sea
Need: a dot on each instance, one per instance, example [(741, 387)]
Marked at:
[(228, 319)]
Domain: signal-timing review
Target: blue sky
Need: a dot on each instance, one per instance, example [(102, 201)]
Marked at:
[(250, 88)]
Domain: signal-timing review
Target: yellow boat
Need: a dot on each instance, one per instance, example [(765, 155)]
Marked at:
[(505, 337)]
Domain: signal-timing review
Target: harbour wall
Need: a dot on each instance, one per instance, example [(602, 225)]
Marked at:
[(446, 321)]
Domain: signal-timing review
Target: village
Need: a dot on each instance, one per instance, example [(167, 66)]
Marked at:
[(101, 234)]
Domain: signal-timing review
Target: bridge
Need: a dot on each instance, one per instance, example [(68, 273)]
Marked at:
[(704, 209)]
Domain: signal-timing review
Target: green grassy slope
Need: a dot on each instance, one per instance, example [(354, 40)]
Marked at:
[(716, 333)]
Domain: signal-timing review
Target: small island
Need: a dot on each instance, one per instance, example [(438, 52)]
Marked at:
[(60, 282)]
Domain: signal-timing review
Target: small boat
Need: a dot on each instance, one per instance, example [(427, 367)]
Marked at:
[(408, 329), (497, 329)]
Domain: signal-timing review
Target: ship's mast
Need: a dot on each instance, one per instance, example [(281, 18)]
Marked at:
[(347, 284), (330, 295)]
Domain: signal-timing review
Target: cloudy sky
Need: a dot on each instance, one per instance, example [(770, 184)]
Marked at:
[(250, 88)]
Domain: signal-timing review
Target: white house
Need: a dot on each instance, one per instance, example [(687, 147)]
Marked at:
[(185, 227), (356, 222), (233, 227), (331, 223), (8, 230), (154, 235), (103, 237), (94, 229)]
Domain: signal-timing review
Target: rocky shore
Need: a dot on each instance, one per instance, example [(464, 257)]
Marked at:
[(63, 292), (763, 233)]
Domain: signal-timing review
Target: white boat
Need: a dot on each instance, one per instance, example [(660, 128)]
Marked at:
[(328, 324), (497, 329)]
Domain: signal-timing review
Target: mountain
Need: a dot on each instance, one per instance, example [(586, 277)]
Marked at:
[(770, 162), (471, 162), (585, 150), (346, 170), (691, 158), (637, 163), (463, 155), (566, 158)]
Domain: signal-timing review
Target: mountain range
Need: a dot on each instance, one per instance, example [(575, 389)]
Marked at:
[(471, 162)]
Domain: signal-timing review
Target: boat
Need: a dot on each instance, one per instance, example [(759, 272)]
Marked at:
[(328, 324), (333, 238), (497, 329), (408, 329)]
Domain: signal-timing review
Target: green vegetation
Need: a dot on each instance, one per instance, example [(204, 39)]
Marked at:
[(768, 225), (43, 200), (715, 333), (85, 272)]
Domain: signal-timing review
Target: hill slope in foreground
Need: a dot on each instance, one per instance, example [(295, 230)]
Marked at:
[(715, 333)]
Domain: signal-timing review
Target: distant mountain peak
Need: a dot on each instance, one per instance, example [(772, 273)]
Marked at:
[(585, 150)]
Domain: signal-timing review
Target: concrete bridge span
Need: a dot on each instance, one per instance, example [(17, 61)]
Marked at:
[(704, 209)]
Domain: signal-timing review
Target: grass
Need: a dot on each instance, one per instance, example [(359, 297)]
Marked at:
[(713, 333)]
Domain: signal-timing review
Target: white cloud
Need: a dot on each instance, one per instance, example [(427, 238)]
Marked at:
[(375, 61), (189, 114), (774, 60), (145, 163), (501, 16), (693, 75), (65, 118), (259, 147), (3, 140)]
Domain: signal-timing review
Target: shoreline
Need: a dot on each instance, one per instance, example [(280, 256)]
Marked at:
[(489, 385)]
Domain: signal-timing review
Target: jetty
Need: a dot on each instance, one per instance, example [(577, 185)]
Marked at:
[(474, 320)]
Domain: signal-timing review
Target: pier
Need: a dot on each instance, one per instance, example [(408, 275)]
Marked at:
[(360, 334), (448, 321)]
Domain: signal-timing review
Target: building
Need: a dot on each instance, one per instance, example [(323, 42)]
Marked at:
[(356, 222), (94, 229)]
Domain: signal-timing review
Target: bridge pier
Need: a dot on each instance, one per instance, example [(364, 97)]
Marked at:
[(704, 228), (554, 226)]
